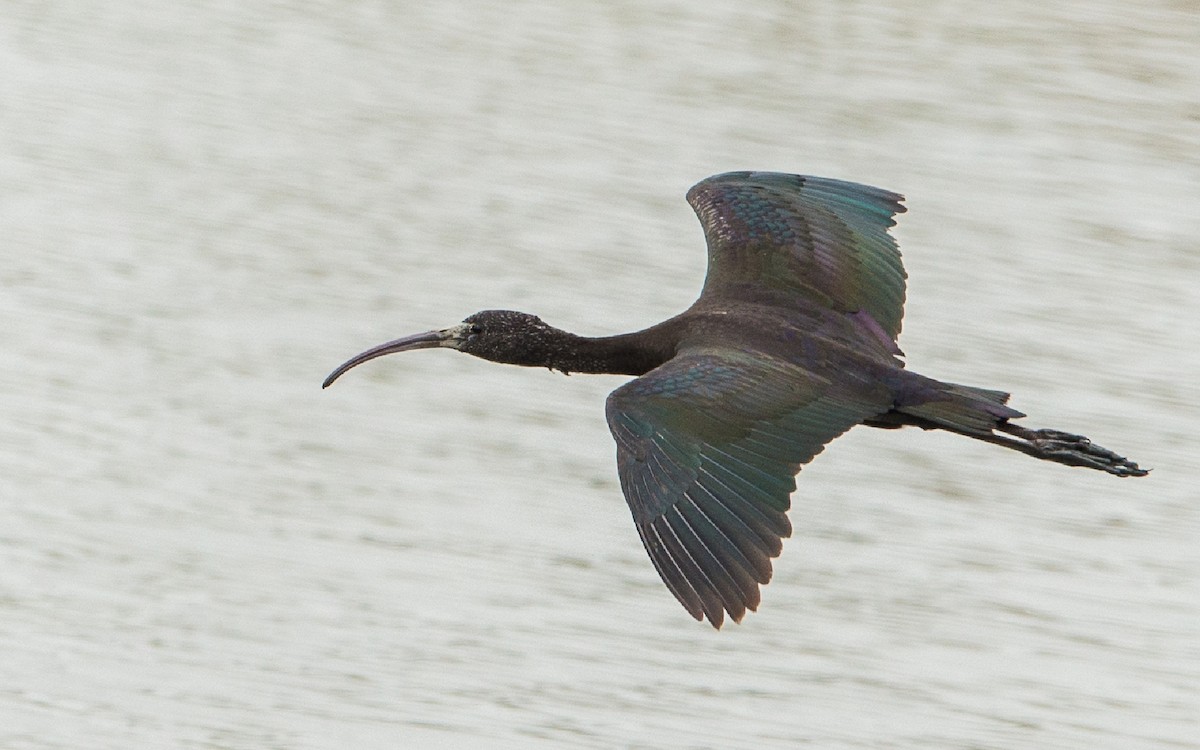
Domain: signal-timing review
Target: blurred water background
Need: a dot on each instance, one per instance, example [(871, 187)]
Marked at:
[(206, 206)]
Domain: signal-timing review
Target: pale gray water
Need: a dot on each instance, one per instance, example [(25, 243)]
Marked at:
[(208, 206)]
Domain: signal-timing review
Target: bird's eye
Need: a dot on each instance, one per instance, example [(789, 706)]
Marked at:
[(475, 330)]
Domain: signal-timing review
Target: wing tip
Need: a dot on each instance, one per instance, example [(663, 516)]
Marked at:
[(894, 200)]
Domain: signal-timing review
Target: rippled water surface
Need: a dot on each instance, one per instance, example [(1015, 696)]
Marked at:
[(206, 207)]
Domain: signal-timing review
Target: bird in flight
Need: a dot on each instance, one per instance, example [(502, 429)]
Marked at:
[(791, 343)]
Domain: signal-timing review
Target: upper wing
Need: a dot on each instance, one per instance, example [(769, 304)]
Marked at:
[(708, 446), (824, 239)]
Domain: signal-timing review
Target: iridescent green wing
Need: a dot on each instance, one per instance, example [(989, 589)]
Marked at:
[(824, 239), (708, 446)]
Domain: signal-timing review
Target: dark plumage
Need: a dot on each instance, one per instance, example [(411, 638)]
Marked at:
[(791, 343)]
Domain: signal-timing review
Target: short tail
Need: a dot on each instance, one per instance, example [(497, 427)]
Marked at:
[(964, 409), (983, 414)]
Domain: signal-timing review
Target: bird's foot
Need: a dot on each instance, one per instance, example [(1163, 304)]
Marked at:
[(1076, 450)]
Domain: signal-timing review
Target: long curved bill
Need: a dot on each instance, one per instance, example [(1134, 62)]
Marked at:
[(426, 340)]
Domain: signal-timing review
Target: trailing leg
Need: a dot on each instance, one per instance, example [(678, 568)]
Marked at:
[(983, 414), (1066, 448)]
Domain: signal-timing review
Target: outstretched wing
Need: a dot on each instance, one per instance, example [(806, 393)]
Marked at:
[(708, 446), (824, 239)]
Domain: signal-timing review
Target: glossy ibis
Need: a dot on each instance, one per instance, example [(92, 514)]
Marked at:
[(791, 343)]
